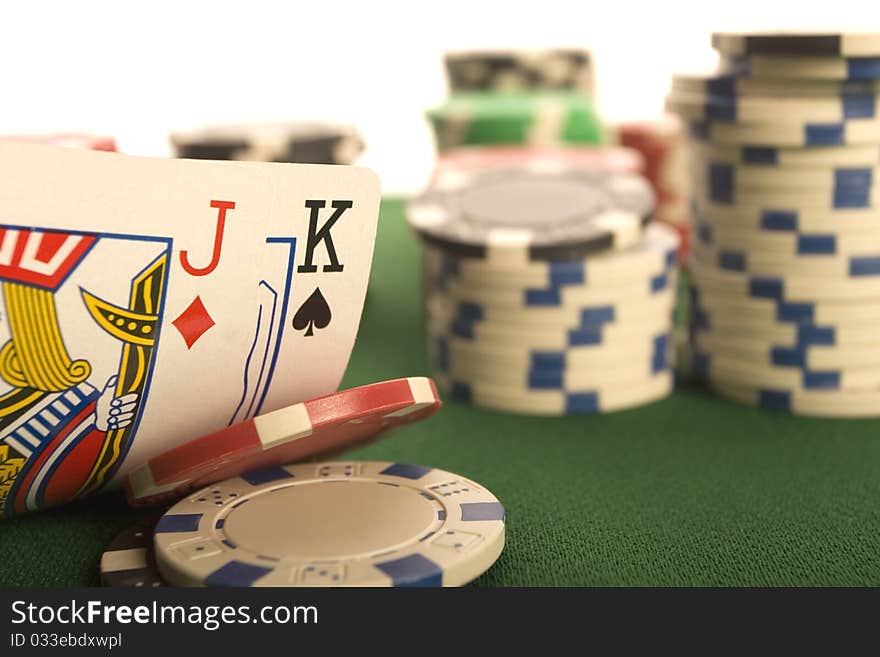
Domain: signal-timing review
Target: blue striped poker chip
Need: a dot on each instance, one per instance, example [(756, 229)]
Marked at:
[(333, 524), (794, 400), (823, 268), (474, 299), (729, 99), (790, 288), (555, 402), (708, 307), (851, 223), (825, 242), (726, 179), (824, 68), (728, 87), (557, 276), (583, 323), (554, 297), (788, 133), (562, 370), (740, 369), (789, 219), (647, 268), (769, 157), (593, 328), (849, 188), (736, 108), (805, 346)]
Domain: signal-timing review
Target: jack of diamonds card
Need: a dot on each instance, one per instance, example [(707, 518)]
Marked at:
[(146, 302)]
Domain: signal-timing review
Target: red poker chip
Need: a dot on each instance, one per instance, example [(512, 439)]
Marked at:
[(656, 141), (662, 144), (606, 158), (70, 140), (308, 430)]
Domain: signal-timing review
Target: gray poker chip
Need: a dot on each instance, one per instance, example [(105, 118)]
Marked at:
[(531, 213)]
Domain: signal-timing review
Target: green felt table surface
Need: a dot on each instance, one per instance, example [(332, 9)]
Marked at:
[(692, 490)]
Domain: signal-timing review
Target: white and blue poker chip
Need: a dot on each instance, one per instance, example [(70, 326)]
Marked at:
[(825, 242), (754, 110), (785, 132), (811, 348), (469, 317), (823, 267), (814, 322), (784, 288), (743, 178), (848, 189), (787, 343), (820, 403), (579, 368), (731, 87), (650, 260), (787, 218), (739, 369), (556, 295), (776, 310), (607, 398), (778, 157), (614, 325), (792, 67), (332, 524)]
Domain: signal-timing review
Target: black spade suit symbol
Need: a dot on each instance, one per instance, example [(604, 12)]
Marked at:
[(313, 314)]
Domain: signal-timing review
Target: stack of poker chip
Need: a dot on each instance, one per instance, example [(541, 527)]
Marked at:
[(547, 292), (301, 142), (786, 263), (519, 70), (538, 98), (394, 524)]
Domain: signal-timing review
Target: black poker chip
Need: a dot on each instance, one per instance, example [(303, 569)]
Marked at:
[(499, 70), (129, 560), (817, 44), (298, 142)]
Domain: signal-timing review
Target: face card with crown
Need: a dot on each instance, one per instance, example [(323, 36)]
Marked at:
[(147, 302)]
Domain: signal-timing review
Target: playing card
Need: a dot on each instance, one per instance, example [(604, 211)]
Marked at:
[(148, 301)]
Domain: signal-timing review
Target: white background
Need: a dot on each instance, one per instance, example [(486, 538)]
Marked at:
[(140, 70)]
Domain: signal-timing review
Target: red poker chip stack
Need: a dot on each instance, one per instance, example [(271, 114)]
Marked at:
[(664, 147)]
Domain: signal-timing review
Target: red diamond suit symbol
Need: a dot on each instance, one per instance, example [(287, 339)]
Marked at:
[(193, 322)]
